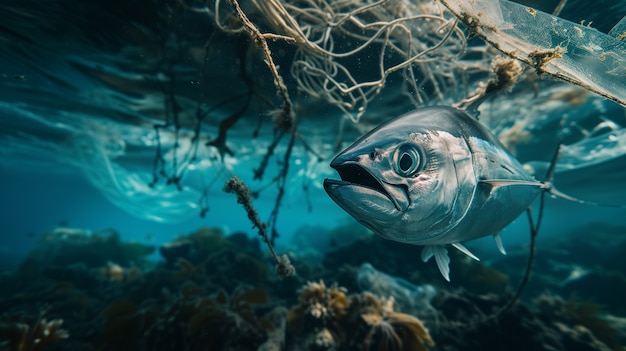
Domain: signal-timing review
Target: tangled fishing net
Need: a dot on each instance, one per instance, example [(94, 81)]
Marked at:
[(346, 50), (422, 41)]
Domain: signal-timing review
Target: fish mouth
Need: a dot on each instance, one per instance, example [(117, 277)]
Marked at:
[(353, 174)]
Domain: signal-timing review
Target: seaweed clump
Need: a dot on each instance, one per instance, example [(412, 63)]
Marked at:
[(326, 318), (464, 324), (206, 241), (209, 256), (581, 319), (283, 266), (20, 336), (191, 320)]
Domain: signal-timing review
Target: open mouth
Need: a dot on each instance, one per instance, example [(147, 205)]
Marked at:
[(352, 173), (355, 174)]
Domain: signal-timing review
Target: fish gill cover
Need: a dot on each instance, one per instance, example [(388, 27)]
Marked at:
[(159, 103)]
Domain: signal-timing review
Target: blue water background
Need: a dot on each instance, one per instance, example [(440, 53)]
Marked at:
[(35, 200)]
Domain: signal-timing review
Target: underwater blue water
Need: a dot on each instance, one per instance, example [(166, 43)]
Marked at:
[(50, 94), (111, 114), (37, 202)]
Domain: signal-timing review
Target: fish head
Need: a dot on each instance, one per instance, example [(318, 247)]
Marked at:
[(401, 180)]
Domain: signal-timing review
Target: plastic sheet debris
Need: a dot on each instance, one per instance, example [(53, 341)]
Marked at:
[(575, 53), (619, 30), (415, 299)]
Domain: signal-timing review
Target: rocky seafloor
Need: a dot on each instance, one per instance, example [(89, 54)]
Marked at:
[(79, 290)]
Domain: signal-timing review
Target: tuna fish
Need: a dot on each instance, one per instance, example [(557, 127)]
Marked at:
[(433, 177)]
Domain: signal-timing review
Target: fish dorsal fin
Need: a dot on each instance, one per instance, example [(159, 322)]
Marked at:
[(498, 239), (441, 257), (464, 250)]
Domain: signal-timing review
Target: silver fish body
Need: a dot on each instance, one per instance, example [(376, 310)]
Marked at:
[(432, 177)]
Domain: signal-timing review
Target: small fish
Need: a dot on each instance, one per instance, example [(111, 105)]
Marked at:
[(433, 177)]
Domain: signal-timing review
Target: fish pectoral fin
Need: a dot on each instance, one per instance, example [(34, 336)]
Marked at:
[(497, 183), (498, 239), (464, 250), (441, 257)]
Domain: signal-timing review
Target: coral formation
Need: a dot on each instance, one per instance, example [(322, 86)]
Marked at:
[(16, 335), (214, 292), (389, 330), (319, 315), (328, 319)]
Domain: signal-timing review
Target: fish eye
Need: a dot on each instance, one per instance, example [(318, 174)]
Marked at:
[(406, 160)]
